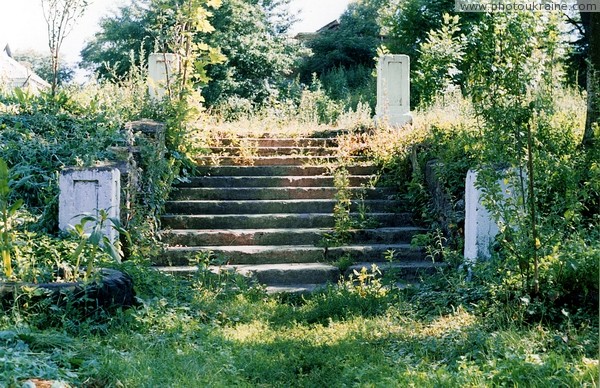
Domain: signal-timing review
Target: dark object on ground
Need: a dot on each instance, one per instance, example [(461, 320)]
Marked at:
[(113, 290)]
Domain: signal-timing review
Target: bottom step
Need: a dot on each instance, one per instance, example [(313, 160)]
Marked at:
[(308, 277), (272, 274)]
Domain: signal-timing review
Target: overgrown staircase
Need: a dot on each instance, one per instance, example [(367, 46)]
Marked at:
[(267, 211)]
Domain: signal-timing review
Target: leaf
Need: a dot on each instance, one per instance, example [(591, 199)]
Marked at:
[(214, 3), (202, 46), (95, 237), (78, 250), (216, 56), (111, 250), (87, 218), (4, 179), (6, 262), (12, 210)]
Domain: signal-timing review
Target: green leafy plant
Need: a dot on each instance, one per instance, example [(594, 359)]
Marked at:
[(8, 214), (366, 282), (440, 56), (93, 242)]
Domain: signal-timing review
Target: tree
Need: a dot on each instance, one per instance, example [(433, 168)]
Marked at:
[(260, 56), (440, 55), (41, 64), (584, 63), (124, 41), (353, 43), (407, 25), (60, 16), (251, 35), (593, 80)]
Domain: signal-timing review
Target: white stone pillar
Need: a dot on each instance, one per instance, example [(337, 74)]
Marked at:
[(393, 90), (480, 227), (162, 69), (85, 191)]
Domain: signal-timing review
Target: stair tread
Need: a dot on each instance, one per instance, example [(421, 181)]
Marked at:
[(284, 188), (277, 230), (291, 177), (233, 147), (281, 201), (385, 265), (271, 248), (273, 215)]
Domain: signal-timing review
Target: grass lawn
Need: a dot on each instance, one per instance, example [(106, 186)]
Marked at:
[(216, 331)]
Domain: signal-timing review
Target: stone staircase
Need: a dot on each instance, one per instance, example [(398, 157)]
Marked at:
[(270, 219)]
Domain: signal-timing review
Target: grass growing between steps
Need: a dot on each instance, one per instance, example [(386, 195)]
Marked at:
[(219, 331)]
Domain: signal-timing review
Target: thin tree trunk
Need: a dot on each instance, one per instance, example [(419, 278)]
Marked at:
[(593, 79), (532, 213)]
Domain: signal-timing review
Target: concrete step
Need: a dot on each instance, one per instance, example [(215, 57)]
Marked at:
[(285, 254), (273, 193), (300, 236), (273, 151), (272, 181), (275, 221), (277, 142), (274, 133), (295, 278), (291, 160), (276, 275), (282, 274), (406, 270), (311, 277), (273, 206), (281, 170)]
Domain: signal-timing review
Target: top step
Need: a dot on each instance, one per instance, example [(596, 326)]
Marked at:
[(272, 151), (312, 133), (276, 142)]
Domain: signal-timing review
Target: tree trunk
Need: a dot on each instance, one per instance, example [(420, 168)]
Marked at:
[(593, 78)]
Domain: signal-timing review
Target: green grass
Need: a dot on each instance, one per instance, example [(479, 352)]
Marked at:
[(211, 333)]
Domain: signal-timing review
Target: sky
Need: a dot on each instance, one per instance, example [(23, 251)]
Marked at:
[(23, 27)]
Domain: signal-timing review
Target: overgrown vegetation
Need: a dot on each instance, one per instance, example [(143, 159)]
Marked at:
[(208, 332), (528, 316)]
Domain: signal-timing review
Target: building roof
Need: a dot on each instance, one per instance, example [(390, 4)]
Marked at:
[(14, 75), (333, 25), (305, 36)]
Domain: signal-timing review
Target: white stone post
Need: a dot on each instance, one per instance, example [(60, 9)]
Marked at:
[(480, 227), (393, 90), (163, 68), (85, 192)]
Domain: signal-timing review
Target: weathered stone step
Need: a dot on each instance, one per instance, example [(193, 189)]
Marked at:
[(284, 254), (293, 160), (272, 181), (310, 133), (273, 151), (275, 221), (300, 236), (272, 206), (315, 274), (278, 142), (281, 170), (281, 274), (405, 270), (310, 277), (272, 193)]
